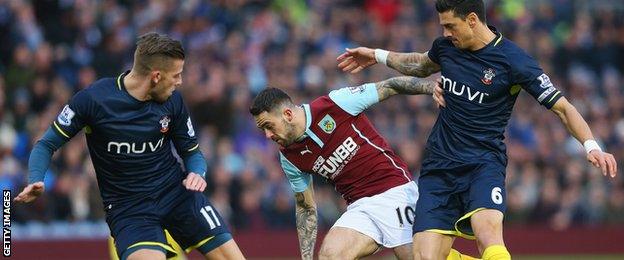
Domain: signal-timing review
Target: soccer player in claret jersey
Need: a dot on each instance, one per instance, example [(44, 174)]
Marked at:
[(130, 122), (462, 182), (331, 137)]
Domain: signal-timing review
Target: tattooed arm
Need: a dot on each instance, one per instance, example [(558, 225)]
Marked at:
[(404, 85), (412, 64), (306, 222)]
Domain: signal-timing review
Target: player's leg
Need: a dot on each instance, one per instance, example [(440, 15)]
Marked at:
[(227, 250), (137, 232), (180, 253), (432, 245), (146, 254), (486, 202), (139, 254), (382, 220), (403, 252), (487, 225), (195, 224), (439, 206), (346, 243)]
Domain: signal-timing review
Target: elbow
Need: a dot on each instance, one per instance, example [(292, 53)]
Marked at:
[(306, 207)]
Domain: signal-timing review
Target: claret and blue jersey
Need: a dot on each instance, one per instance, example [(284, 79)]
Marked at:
[(129, 140), (481, 88), (342, 146)]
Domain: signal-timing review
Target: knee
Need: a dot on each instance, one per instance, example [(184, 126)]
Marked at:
[(427, 255), (331, 252)]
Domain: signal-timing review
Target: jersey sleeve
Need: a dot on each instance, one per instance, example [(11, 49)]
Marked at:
[(74, 116), (355, 99), (183, 133), (298, 180), (434, 52), (528, 74)]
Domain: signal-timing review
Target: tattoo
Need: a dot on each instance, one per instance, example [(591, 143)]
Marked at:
[(412, 64), (404, 85), (306, 226)]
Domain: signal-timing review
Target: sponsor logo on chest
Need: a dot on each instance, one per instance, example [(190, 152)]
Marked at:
[(134, 147), (332, 166), (473, 95)]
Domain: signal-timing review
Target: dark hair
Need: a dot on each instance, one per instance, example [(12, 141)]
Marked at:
[(268, 100), (154, 50), (462, 8)]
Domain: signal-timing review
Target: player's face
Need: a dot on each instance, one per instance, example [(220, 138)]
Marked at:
[(277, 126), (456, 29), (166, 81)]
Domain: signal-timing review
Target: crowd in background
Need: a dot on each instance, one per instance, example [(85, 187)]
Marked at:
[(51, 49)]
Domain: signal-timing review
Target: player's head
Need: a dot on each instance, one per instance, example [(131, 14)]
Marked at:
[(459, 19), (274, 111), (161, 59)]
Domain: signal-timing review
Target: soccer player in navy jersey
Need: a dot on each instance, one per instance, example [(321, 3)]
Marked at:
[(462, 182), (332, 138), (131, 122)]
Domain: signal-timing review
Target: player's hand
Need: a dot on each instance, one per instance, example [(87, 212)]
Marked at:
[(604, 161), (355, 60), (194, 182), (438, 95), (30, 192)]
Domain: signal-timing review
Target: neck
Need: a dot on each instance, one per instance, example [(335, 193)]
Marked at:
[(137, 86), (300, 121), (482, 37)]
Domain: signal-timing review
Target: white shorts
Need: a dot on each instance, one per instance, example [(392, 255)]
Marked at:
[(387, 218)]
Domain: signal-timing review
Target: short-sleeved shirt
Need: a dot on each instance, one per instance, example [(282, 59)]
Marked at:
[(481, 88), (342, 146), (129, 140)]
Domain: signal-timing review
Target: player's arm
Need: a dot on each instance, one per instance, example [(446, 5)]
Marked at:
[(305, 209), (527, 73), (578, 127), (410, 64), (185, 143), (196, 167), (306, 219), (404, 86), (67, 124), (356, 99), (38, 164)]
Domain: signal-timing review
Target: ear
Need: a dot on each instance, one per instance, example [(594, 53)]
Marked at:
[(472, 19), (156, 76), (288, 113)]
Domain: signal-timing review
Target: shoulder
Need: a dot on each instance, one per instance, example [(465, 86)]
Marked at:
[(176, 97), (443, 41), (100, 88), (321, 103), (515, 56)]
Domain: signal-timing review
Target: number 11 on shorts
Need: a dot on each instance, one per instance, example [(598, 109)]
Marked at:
[(210, 217)]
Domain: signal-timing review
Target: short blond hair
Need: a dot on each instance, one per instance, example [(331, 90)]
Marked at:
[(154, 52)]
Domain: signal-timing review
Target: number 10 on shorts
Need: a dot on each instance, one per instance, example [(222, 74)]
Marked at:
[(210, 217)]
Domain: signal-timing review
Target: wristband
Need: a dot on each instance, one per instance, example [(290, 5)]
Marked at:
[(381, 56), (591, 145)]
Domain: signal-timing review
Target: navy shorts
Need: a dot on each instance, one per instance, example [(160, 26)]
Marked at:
[(449, 196), (188, 216)]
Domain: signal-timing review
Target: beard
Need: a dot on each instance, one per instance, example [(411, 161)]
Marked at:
[(289, 137)]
